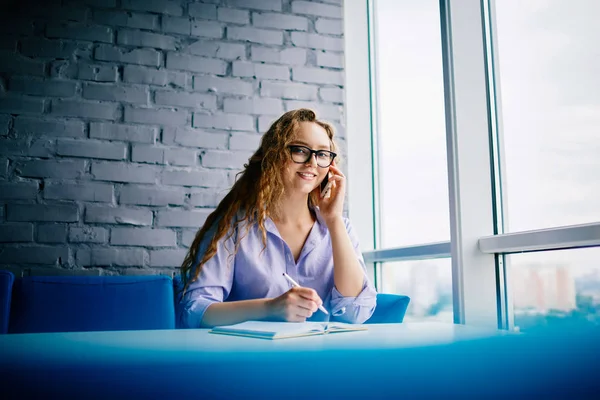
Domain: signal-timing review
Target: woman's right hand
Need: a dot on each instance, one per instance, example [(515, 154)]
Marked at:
[(295, 305)]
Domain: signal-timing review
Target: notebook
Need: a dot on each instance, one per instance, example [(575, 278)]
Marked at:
[(285, 330)]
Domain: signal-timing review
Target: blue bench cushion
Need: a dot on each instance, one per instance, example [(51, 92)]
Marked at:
[(6, 284), (77, 303), (390, 309)]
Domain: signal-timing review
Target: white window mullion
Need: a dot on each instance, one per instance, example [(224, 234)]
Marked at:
[(470, 173)]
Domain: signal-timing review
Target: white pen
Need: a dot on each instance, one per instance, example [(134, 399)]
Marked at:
[(293, 282)]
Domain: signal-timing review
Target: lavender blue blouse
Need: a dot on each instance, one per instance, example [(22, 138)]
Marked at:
[(253, 274)]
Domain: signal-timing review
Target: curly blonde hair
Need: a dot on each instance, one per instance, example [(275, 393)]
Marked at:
[(257, 191)]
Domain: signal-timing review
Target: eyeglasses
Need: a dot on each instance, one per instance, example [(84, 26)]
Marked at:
[(302, 155)]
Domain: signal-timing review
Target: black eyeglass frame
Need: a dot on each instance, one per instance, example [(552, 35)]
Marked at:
[(310, 154)]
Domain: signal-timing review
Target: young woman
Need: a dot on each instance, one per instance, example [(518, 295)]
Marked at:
[(274, 221)]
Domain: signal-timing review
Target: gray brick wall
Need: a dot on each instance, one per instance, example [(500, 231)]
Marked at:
[(123, 122)]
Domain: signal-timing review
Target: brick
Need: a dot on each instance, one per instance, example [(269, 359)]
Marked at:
[(32, 86), (187, 62), (292, 91), (211, 29), (267, 5), (52, 233), (146, 39), (182, 26), (34, 255), (259, 106), (318, 9), (332, 60), (149, 57), (17, 25), (244, 141), (88, 234), (55, 48), (205, 178), (233, 16), (78, 108), (80, 32), (329, 26), (225, 159), (67, 169), (194, 138), (172, 218), (119, 257), (316, 41), (28, 148), (187, 238), (167, 257), (121, 215), (167, 7), (16, 232), (280, 21), (206, 197), (317, 75), (324, 111), (236, 122), (5, 120), (151, 196), (255, 35), (129, 133), (18, 190), (97, 73), (91, 149), (42, 212), (147, 154), (265, 122), (157, 116), (143, 237), (182, 157), (204, 11), (134, 74), (53, 271), (81, 191), (122, 172), (217, 49), (3, 169), (332, 95), (63, 69), (260, 71), (127, 19), (11, 63), (97, 91), (21, 105), (183, 99), (206, 83), (289, 56), (9, 42)]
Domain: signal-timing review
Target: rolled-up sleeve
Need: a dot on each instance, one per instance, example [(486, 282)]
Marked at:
[(355, 310), (213, 284)]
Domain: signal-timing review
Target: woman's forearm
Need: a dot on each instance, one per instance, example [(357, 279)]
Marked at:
[(348, 275), (233, 312)]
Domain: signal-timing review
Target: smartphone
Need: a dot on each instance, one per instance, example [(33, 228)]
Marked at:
[(325, 187)]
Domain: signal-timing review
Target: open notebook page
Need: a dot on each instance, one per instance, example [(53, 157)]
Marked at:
[(276, 330)]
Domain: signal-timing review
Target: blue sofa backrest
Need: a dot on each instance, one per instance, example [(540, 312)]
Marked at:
[(99, 303), (6, 283), (390, 308)]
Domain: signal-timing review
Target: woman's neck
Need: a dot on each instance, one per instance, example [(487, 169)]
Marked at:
[(293, 210)]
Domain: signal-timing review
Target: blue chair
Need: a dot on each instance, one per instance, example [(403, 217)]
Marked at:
[(98, 303), (6, 284), (390, 309)]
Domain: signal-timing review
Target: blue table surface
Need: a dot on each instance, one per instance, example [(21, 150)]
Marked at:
[(425, 360)]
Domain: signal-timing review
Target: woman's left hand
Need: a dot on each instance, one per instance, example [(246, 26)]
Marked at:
[(332, 207)]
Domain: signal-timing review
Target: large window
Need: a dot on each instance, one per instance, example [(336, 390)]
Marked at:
[(485, 153)]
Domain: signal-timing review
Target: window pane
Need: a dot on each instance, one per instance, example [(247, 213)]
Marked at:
[(556, 289), (428, 283), (412, 144), (549, 60)]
